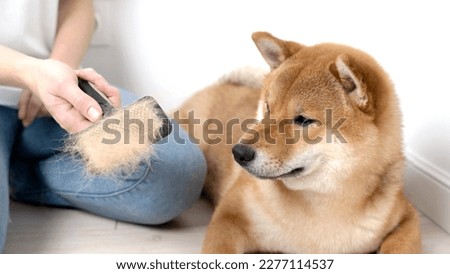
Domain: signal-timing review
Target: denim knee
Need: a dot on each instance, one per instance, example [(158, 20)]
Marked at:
[(153, 194), (173, 184), (170, 186)]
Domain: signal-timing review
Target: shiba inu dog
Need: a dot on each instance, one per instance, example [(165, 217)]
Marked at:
[(320, 170)]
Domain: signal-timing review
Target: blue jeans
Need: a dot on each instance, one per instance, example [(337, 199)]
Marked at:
[(33, 170)]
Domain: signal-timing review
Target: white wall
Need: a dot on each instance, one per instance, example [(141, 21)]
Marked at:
[(170, 49)]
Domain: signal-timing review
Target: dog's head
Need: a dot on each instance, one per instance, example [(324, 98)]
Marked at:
[(320, 113)]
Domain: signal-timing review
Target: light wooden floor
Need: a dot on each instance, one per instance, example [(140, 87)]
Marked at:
[(50, 230)]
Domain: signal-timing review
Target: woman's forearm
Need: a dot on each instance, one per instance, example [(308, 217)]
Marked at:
[(75, 27), (16, 68), (76, 24)]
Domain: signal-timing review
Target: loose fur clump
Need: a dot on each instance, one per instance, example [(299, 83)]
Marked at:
[(120, 141)]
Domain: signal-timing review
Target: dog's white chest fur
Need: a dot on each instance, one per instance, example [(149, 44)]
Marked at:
[(289, 226)]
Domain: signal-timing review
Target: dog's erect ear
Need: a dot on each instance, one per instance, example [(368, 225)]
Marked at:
[(351, 80), (274, 50)]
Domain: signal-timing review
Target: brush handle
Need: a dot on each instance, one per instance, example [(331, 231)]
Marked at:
[(101, 99), (107, 108)]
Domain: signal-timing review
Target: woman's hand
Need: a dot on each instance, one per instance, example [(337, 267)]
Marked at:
[(30, 107), (56, 84), (111, 92)]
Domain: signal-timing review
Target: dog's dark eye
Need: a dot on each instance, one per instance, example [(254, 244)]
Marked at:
[(303, 121)]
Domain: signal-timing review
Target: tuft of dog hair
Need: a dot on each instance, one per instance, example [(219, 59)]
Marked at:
[(120, 141), (251, 77)]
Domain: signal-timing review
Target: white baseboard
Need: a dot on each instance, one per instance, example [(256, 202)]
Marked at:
[(428, 190)]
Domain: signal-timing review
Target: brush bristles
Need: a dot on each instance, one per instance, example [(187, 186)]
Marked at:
[(121, 141)]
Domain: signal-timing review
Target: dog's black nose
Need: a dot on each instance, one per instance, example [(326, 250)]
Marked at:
[(243, 154)]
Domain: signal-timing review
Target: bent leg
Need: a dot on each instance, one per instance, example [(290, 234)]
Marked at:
[(153, 194), (228, 231), (405, 239), (8, 125), (39, 141)]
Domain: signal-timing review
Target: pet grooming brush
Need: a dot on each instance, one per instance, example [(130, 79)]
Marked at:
[(123, 138)]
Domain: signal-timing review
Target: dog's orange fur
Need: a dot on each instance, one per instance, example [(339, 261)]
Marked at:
[(348, 198)]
